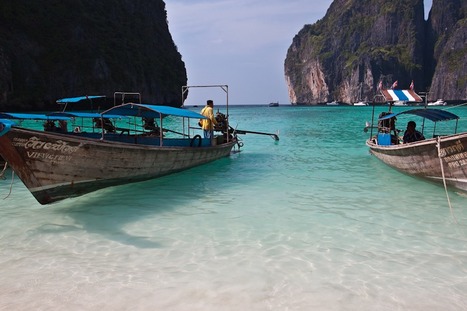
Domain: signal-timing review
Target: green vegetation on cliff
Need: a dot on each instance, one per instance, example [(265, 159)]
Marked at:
[(359, 43)]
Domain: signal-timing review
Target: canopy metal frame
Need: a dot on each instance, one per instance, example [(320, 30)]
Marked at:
[(224, 87)]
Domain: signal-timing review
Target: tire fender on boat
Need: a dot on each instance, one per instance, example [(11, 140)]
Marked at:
[(192, 142)]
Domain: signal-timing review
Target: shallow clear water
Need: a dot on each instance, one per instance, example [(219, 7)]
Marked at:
[(311, 222)]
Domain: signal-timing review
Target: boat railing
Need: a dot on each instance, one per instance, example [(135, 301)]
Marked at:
[(158, 123), (122, 97), (224, 88)]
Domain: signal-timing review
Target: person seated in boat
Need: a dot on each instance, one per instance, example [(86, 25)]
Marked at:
[(150, 125), (49, 126), (105, 124), (62, 126), (411, 134), (108, 126)]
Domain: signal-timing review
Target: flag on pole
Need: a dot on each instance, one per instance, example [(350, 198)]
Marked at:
[(411, 86), (394, 85)]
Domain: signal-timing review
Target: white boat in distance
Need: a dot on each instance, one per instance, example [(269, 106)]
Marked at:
[(361, 103), (400, 103), (439, 102), (333, 103)]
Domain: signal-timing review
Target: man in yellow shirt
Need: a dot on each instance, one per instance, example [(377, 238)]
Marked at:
[(208, 124)]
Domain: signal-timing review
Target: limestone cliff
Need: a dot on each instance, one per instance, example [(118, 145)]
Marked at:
[(447, 41), (54, 49), (357, 44)]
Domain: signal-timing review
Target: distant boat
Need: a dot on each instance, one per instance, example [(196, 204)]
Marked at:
[(439, 102), (274, 104), (400, 103), (360, 96), (333, 103), (361, 103)]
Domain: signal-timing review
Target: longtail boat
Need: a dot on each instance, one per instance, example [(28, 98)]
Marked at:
[(127, 143), (437, 157)]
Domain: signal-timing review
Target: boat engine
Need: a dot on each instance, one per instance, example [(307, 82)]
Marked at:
[(221, 122)]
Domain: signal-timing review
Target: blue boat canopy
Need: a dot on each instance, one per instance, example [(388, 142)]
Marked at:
[(151, 111), (30, 116), (82, 115), (434, 115), (77, 99)]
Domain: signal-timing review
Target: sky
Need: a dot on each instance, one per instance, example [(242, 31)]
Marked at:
[(239, 43)]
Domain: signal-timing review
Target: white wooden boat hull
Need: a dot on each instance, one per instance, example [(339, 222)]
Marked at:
[(57, 166), (421, 158)]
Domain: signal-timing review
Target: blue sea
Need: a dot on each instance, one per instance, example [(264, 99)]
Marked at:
[(309, 222)]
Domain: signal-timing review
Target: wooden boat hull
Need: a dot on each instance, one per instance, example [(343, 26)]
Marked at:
[(56, 166), (421, 158)]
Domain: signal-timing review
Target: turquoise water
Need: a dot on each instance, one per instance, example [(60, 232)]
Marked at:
[(311, 222)]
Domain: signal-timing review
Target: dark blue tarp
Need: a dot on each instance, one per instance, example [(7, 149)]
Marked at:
[(151, 111), (434, 115)]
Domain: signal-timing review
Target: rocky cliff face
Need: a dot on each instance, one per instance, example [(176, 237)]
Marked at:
[(447, 41), (51, 50), (357, 44)]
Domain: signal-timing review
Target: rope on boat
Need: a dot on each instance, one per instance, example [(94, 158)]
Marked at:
[(2, 174), (444, 178), (12, 178)]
